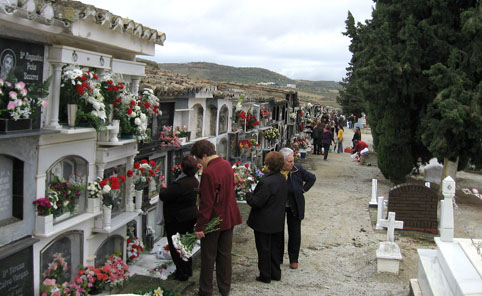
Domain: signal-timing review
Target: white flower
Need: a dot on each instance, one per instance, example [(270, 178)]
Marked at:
[(143, 117), (96, 105), (137, 121)]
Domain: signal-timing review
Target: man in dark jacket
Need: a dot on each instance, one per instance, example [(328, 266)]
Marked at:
[(316, 135), (299, 182), (267, 217)]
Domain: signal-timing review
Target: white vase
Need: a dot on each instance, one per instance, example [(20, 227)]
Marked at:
[(182, 140), (114, 131), (93, 205), (44, 224), (103, 136), (139, 200), (71, 114), (107, 217), (130, 203)]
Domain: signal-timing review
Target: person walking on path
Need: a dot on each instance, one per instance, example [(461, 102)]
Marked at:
[(316, 135), (267, 217), (326, 140), (299, 182), (216, 200), (180, 211), (340, 139)]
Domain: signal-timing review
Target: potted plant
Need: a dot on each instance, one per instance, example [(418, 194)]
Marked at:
[(182, 134), (133, 121), (65, 194), (110, 193), (44, 220), (94, 196)]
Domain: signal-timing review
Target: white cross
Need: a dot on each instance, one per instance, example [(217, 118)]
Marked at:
[(391, 225)]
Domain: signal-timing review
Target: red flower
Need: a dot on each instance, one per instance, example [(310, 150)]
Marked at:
[(133, 102), (85, 85), (114, 179), (129, 111), (142, 169), (144, 161), (110, 88), (103, 183), (147, 104), (115, 185), (121, 86), (151, 173), (80, 89), (122, 178), (130, 173), (110, 82), (247, 165), (152, 163), (137, 165), (95, 76), (83, 78)]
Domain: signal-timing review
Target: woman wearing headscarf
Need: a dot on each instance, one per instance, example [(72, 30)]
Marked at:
[(180, 211)]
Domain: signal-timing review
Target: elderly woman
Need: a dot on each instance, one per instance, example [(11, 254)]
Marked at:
[(180, 211), (267, 217)]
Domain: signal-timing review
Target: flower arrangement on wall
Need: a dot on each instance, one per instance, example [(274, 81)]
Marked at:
[(251, 121), (300, 143), (94, 189), (84, 89), (181, 131), (169, 137), (176, 170), (17, 102), (133, 121), (142, 173), (271, 134), (149, 102), (245, 145), (264, 112), (243, 180), (44, 206), (64, 194), (111, 190)]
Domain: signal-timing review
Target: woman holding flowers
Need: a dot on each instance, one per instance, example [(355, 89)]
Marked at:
[(180, 211), (217, 200), (267, 217)]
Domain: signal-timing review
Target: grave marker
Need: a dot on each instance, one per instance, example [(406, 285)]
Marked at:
[(388, 254), (373, 203)]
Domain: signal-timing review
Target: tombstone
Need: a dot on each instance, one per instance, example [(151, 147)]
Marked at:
[(69, 246), (388, 254), (433, 172), (373, 202), (455, 267), (380, 210), (16, 274), (113, 244), (415, 205)]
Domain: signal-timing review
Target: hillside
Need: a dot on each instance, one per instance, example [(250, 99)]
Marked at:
[(308, 90)]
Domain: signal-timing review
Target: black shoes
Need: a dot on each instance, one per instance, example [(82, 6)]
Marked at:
[(261, 279)]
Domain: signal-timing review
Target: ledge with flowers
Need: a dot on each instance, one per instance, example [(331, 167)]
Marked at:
[(21, 104)]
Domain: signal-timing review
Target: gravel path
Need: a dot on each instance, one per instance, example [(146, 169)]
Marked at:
[(339, 241)]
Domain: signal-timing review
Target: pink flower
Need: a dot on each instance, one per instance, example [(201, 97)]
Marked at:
[(20, 85), (12, 94), (23, 92), (11, 105), (45, 103)]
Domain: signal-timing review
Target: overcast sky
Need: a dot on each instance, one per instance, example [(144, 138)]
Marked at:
[(299, 39)]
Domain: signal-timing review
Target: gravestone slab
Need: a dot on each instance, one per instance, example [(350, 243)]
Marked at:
[(415, 205), (16, 274), (433, 173)]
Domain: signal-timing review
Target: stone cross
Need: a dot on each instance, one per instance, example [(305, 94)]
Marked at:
[(391, 225)]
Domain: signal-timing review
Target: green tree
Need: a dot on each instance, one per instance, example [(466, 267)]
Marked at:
[(392, 54)]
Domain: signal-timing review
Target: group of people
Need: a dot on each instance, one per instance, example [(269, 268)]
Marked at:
[(279, 194), (323, 135)]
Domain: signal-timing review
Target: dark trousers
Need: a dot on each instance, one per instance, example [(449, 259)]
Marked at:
[(317, 148), (269, 247), (216, 248), (326, 147), (294, 236), (183, 268)]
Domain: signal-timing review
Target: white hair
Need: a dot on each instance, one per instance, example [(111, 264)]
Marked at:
[(286, 152)]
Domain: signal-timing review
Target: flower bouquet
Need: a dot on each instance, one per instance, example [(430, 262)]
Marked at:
[(251, 121), (158, 272), (94, 189), (53, 275), (264, 112), (84, 89), (176, 170), (243, 180), (44, 206), (16, 102), (271, 134), (134, 249), (111, 189), (169, 137), (133, 121), (184, 243), (142, 173), (149, 102), (65, 194)]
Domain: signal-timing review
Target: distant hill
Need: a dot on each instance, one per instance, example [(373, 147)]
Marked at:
[(308, 90)]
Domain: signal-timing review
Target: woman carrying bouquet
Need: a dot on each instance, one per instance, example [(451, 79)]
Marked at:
[(267, 217), (180, 211)]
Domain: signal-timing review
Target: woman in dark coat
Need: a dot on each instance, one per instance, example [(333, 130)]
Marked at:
[(267, 217), (326, 139), (180, 211)]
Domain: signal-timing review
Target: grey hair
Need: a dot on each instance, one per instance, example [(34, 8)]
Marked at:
[(287, 152)]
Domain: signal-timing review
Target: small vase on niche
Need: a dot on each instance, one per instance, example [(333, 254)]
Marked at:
[(71, 114), (44, 224), (114, 131), (107, 217)]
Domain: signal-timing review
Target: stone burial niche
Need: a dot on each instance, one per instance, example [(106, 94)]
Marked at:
[(66, 250), (114, 244)]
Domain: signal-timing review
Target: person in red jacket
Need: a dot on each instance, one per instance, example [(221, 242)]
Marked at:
[(216, 200), (359, 146)]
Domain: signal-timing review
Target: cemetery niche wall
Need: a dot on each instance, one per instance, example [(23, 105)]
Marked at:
[(415, 205)]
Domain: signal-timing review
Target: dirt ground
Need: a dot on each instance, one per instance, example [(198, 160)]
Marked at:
[(339, 241)]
